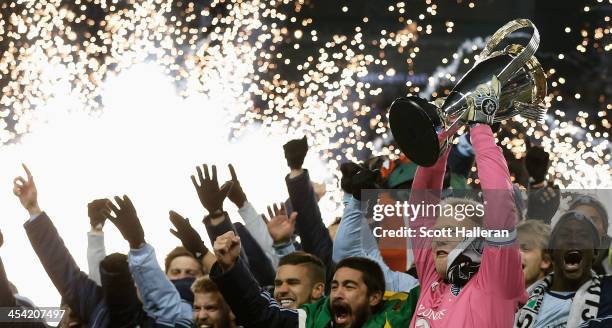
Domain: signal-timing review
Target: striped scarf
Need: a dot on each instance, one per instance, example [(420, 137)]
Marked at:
[(584, 305)]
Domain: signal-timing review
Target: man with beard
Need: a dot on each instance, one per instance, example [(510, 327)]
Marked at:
[(209, 307), (573, 294), (356, 299)]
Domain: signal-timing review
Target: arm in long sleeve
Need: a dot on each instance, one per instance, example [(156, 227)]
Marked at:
[(7, 299), (426, 190), (215, 227), (259, 264), (348, 235), (314, 235), (256, 226), (500, 270), (160, 298), (95, 254), (252, 306), (82, 294), (354, 238)]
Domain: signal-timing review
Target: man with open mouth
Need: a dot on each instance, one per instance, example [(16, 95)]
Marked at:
[(572, 295), (357, 297)]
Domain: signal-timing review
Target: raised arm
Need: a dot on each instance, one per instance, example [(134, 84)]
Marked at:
[(191, 240), (95, 238), (314, 235), (426, 189), (82, 294), (7, 299), (252, 220), (501, 269), (240, 290), (259, 264), (160, 298)]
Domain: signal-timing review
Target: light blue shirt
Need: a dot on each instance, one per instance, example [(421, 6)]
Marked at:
[(555, 310)]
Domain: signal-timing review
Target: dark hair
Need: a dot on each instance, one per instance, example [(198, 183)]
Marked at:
[(373, 276), (314, 264), (178, 252)]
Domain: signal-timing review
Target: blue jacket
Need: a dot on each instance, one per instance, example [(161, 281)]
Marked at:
[(354, 238), (160, 298)]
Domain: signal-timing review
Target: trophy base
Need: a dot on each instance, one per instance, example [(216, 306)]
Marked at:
[(412, 121)]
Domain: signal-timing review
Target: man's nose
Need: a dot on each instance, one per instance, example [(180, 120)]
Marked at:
[(282, 288), (202, 314)]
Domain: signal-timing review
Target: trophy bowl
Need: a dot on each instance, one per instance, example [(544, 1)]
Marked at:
[(417, 136)]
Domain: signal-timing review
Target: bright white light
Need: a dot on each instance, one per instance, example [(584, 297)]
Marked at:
[(146, 143)]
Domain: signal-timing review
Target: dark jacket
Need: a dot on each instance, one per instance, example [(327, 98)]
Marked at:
[(251, 253), (255, 308), (604, 313), (7, 299), (259, 264), (82, 294), (252, 306), (314, 236)]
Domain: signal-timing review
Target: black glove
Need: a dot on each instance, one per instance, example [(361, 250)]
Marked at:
[(188, 235), (236, 194), (536, 162), (348, 169), (295, 151), (211, 196), (365, 179), (94, 211), (126, 221), (543, 203)]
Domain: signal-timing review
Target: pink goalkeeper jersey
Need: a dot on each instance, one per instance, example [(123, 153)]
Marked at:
[(491, 297)]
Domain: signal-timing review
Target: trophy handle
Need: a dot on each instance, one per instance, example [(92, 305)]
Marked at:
[(527, 52)]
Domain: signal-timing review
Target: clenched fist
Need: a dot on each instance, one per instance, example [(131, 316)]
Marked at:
[(227, 249)]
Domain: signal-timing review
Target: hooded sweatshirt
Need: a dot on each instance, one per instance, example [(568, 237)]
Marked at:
[(490, 298)]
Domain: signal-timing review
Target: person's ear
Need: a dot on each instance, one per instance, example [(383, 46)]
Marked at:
[(318, 290), (375, 298), (546, 263)]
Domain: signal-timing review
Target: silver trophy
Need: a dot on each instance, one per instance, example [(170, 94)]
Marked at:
[(501, 84)]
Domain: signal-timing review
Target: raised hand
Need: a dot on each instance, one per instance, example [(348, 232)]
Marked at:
[(227, 249), (211, 196), (236, 194), (188, 235), (126, 220), (295, 152), (95, 211), (26, 191), (348, 169), (280, 226), (363, 180), (537, 162)]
